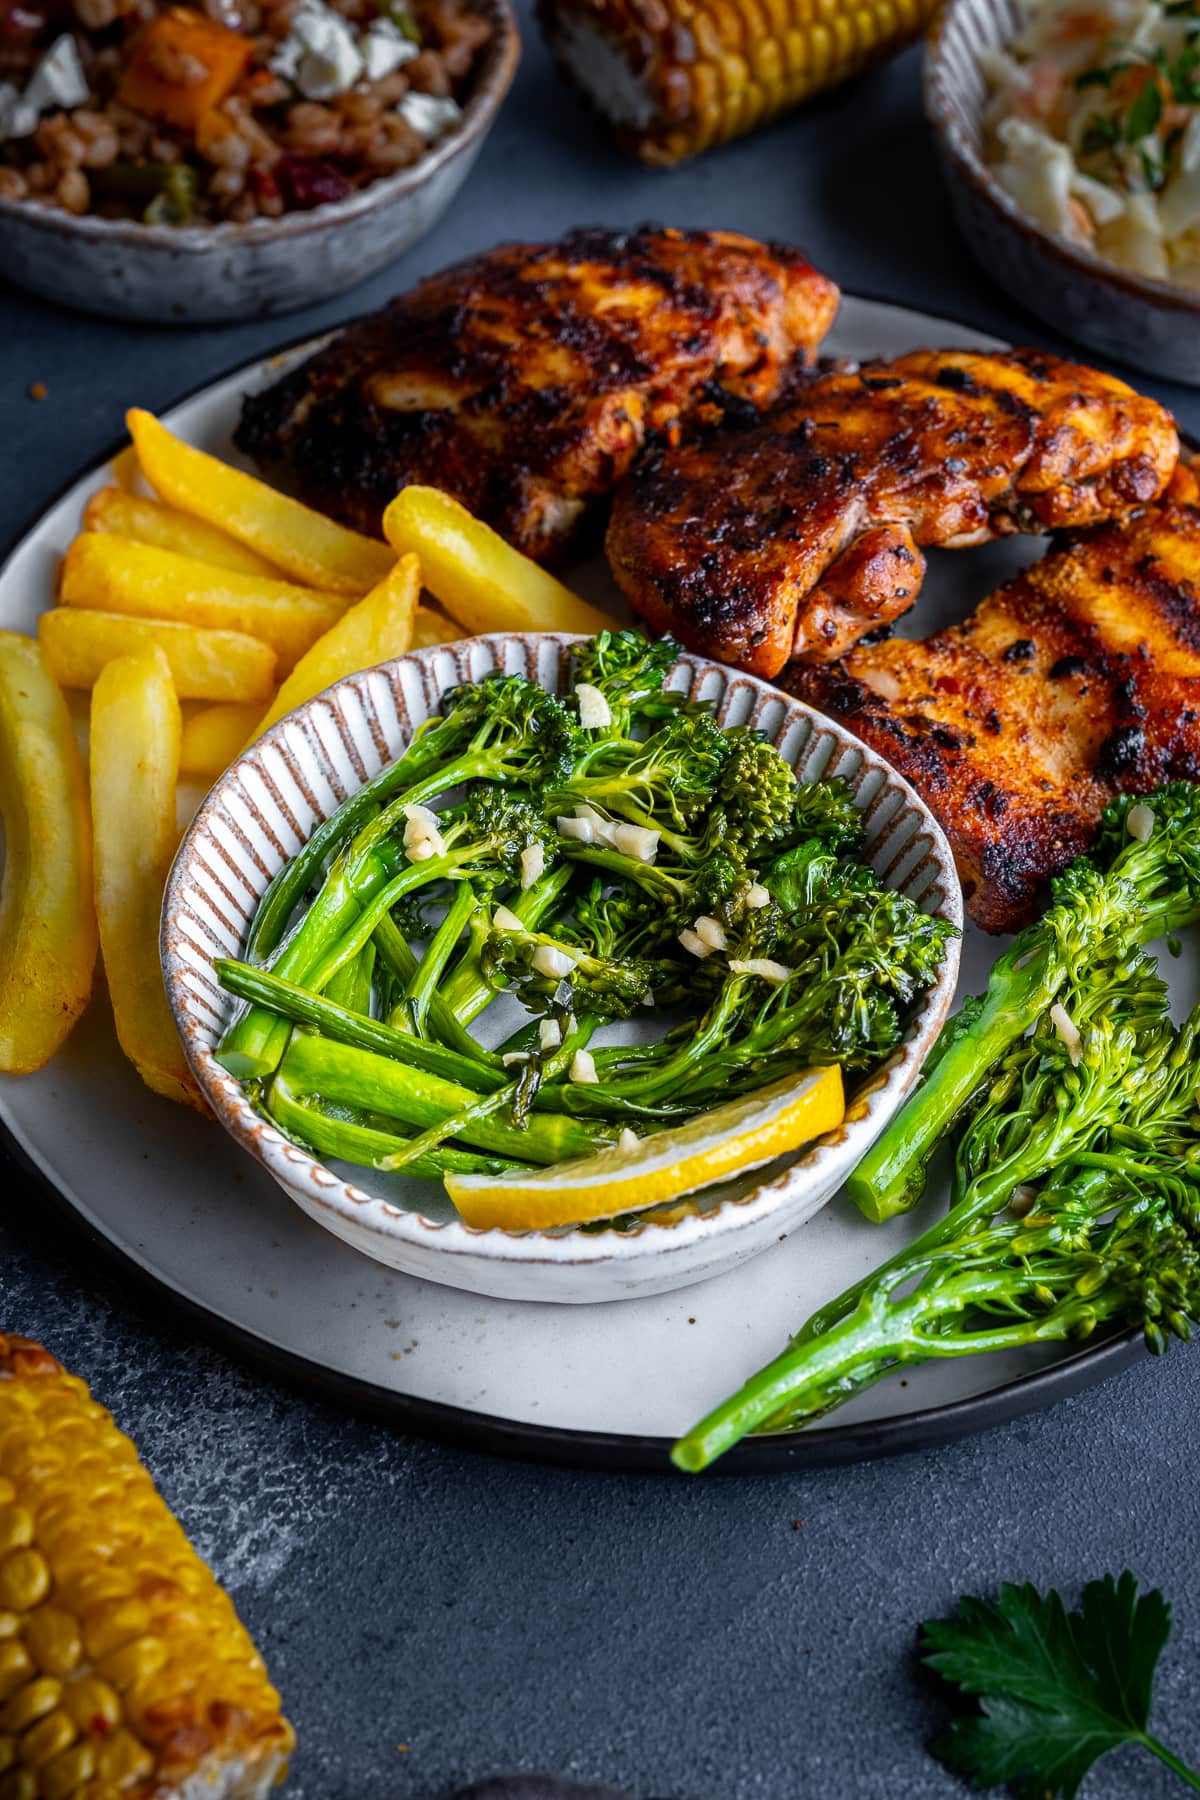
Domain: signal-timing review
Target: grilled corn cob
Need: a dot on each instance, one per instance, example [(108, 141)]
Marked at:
[(674, 76), (125, 1673)]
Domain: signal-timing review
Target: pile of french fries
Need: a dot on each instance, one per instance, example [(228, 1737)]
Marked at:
[(198, 606)]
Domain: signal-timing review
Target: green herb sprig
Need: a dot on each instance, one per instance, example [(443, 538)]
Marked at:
[(1055, 1690)]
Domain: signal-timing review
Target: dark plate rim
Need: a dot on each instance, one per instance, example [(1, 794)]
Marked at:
[(614, 1452)]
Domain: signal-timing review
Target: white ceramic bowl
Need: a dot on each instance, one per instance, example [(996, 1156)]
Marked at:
[(208, 274), (269, 802), (1151, 325)]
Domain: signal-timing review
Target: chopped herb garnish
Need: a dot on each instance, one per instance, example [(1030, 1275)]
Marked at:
[(1102, 77), (1145, 113), (1100, 134)]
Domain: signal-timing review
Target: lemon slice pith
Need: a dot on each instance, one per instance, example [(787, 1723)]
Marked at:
[(732, 1138)]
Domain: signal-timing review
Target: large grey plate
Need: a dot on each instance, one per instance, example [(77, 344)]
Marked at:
[(607, 1384)]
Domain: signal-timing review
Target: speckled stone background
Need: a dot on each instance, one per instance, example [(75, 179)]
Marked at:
[(434, 1617)]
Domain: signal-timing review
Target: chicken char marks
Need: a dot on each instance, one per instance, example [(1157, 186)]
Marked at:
[(1077, 681), (525, 380), (799, 535)]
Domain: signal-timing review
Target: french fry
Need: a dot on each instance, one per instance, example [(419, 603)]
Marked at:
[(127, 470), (305, 544), (134, 767), (432, 627), (480, 580), (214, 736), (113, 574), (374, 631), (206, 665), (47, 920), (132, 515)]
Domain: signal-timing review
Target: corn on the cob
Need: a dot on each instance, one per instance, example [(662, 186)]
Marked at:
[(675, 76), (125, 1673)]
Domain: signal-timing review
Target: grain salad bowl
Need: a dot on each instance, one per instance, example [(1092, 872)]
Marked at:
[(212, 274), (1153, 326), (268, 803)]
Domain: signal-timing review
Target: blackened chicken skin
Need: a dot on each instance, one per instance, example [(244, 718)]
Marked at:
[(802, 534), (526, 380), (1077, 681)]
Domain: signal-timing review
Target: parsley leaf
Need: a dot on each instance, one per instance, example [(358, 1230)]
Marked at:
[(1056, 1690), (1145, 112)]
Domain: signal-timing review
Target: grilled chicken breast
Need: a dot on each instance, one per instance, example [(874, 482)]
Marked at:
[(1078, 680), (526, 380), (801, 534)]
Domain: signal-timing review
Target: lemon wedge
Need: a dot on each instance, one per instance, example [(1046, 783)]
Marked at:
[(732, 1138)]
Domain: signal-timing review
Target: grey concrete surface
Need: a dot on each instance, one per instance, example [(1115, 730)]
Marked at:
[(725, 1638)]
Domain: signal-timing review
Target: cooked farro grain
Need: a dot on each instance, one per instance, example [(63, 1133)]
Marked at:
[(186, 119)]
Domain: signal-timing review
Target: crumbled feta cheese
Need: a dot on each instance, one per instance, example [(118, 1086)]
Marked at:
[(550, 1035), (505, 920), (384, 49), (583, 1067), (757, 895), (533, 864), (582, 830), (594, 711), (319, 55), (58, 82), (1068, 1032), (637, 841), (1139, 821), (549, 959), (774, 972), (514, 1056), (693, 942), (628, 1140), (711, 932), (430, 117)]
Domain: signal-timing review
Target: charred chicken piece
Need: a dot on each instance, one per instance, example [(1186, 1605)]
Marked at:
[(798, 536), (526, 380), (1077, 681)]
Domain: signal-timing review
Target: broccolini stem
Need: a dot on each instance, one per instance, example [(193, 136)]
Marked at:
[(322, 1014), (814, 1375), (891, 1176), (351, 986), (305, 1120), (290, 884), (253, 1045), (347, 1076), (422, 987), (477, 1111), (323, 959), (466, 992)]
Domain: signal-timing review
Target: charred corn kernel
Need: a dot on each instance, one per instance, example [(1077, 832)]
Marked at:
[(62, 1777), (121, 1760), (124, 1670), (24, 1580), (675, 76), (30, 1703), (133, 1662), (16, 1667), (92, 1705), (53, 1640), (47, 1739), (16, 1528)]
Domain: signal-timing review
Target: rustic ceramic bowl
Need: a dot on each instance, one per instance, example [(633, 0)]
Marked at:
[(1150, 325), (269, 802), (213, 273)]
